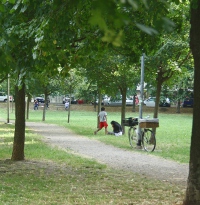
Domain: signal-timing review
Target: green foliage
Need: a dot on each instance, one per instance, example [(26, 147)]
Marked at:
[(60, 46)]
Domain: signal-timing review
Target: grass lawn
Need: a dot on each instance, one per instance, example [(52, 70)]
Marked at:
[(173, 135), (51, 176)]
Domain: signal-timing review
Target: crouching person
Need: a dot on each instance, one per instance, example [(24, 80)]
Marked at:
[(117, 129)]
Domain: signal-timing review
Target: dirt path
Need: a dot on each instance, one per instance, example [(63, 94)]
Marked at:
[(147, 165)]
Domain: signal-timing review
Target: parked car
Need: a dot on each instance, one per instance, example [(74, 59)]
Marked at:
[(188, 102), (150, 102), (97, 101), (3, 97), (119, 102), (164, 102), (39, 99), (74, 101), (106, 100)]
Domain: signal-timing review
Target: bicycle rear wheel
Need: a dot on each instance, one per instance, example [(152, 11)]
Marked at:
[(132, 135), (148, 140)]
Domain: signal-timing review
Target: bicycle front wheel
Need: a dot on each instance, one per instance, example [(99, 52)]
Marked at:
[(132, 134), (148, 140)]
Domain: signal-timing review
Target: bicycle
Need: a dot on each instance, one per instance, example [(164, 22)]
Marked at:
[(147, 136)]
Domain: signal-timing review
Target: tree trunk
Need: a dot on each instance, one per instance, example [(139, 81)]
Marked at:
[(133, 110), (99, 105), (123, 108), (178, 106), (158, 91), (193, 184), (19, 135), (27, 106), (45, 106), (70, 101), (95, 99)]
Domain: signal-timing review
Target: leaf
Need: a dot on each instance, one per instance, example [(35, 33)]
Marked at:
[(146, 29), (97, 19), (34, 55), (12, 1), (2, 8), (168, 24), (23, 9), (145, 3), (133, 4), (15, 7), (176, 2)]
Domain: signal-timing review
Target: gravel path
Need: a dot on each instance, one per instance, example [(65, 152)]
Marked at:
[(147, 165)]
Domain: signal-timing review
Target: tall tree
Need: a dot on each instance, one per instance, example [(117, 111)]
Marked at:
[(19, 135), (193, 182), (166, 64)]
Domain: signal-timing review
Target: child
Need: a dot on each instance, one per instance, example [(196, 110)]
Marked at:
[(102, 121), (117, 129)]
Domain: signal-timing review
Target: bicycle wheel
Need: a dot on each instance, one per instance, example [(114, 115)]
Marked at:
[(132, 134), (148, 140)]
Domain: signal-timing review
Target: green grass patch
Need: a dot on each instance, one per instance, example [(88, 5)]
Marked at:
[(52, 176), (173, 135)]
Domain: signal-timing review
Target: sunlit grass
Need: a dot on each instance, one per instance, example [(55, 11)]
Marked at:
[(173, 135), (53, 176)]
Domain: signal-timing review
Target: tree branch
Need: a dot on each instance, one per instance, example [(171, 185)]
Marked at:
[(186, 58), (3, 78)]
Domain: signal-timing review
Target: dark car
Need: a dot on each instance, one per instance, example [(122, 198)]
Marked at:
[(188, 102), (164, 104), (40, 99)]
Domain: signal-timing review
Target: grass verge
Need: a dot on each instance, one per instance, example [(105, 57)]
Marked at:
[(173, 135), (52, 176)]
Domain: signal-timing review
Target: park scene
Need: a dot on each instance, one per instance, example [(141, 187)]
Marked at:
[(99, 102)]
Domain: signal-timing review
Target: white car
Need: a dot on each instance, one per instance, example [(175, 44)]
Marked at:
[(119, 102), (3, 97), (106, 100), (150, 102)]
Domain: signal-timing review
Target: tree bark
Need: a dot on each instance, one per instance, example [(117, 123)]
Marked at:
[(193, 184), (158, 91), (45, 106), (27, 106), (133, 110), (123, 108), (99, 105), (70, 102), (19, 135), (178, 106)]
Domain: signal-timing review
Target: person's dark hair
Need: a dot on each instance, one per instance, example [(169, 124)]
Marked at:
[(103, 108), (112, 122)]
